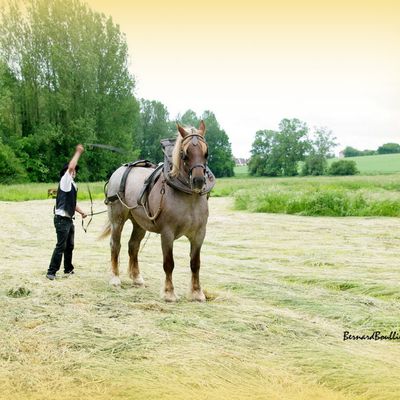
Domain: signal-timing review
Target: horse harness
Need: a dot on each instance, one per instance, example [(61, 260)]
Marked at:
[(164, 169)]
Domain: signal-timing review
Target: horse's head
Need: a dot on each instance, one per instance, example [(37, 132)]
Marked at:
[(192, 155)]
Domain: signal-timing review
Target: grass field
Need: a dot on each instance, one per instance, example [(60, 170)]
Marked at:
[(323, 196), (281, 291), (376, 165), (38, 191), (367, 165)]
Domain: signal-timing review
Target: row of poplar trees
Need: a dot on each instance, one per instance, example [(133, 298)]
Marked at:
[(64, 80)]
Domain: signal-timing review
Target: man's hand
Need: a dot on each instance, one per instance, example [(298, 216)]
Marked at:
[(80, 149), (84, 215)]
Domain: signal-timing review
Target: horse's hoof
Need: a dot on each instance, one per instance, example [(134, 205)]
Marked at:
[(197, 295), (115, 281), (170, 297), (138, 281)]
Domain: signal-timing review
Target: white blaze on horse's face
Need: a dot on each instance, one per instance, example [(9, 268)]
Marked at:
[(194, 152)]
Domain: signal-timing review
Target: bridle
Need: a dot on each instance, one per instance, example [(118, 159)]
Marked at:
[(195, 138)]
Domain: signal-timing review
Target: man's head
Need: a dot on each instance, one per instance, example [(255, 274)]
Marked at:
[(65, 168)]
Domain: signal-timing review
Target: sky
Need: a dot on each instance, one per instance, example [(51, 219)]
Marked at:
[(328, 63)]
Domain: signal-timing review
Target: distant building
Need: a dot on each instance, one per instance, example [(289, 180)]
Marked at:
[(240, 161), (341, 154)]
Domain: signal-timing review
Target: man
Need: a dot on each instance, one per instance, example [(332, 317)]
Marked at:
[(63, 217)]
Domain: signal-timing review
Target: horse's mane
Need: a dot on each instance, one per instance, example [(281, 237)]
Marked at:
[(176, 155), (176, 152)]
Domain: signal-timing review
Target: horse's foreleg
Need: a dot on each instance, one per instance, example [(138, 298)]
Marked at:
[(134, 245), (168, 265), (196, 292), (115, 244)]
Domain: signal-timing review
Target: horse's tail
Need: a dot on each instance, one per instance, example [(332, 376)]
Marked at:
[(106, 231)]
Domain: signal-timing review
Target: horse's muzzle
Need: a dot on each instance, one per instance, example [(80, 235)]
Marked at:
[(198, 183)]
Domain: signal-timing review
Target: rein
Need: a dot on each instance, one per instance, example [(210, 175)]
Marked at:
[(105, 147), (91, 211)]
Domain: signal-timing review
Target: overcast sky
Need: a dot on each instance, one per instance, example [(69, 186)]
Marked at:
[(328, 63)]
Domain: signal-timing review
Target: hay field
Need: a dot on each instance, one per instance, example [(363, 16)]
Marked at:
[(281, 290), (377, 164)]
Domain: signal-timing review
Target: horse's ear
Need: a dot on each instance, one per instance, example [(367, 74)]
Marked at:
[(181, 130), (202, 128)]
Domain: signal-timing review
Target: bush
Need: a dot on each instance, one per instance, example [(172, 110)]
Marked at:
[(314, 164), (11, 170), (343, 167)]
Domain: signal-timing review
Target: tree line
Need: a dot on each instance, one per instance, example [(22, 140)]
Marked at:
[(387, 148), (64, 80)]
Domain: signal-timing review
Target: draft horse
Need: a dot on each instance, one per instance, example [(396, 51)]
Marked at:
[(177, 213)]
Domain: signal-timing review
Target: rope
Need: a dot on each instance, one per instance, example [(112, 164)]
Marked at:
[(155, 216), (91, 210), (98, 212), (125, 205), (144, 244)]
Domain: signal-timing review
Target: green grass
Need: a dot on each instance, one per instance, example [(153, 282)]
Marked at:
[(322, 196), (320, 202), (241, 171), (376, 165), (38, 191), (377, 195)]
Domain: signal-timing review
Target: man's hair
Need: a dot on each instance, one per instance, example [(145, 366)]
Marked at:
[(65, 168)]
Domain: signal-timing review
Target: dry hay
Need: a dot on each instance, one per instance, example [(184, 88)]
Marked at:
[(281, 290)]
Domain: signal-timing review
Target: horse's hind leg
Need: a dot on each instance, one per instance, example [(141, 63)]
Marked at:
[(134, 244), (196, 293)]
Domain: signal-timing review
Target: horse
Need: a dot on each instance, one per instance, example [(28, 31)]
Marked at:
[(174, 213)]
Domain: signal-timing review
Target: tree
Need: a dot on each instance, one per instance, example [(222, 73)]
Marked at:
[(71, 68), (278, 153), (11, 169), (389, 148), (293, 144), (368, 152), (9, 118), (351, 152), (265, 159), (322, 144), (220, 159), (189, 118), (154, 127)]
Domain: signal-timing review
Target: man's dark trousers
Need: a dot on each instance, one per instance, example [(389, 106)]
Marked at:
[(65, 245)]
